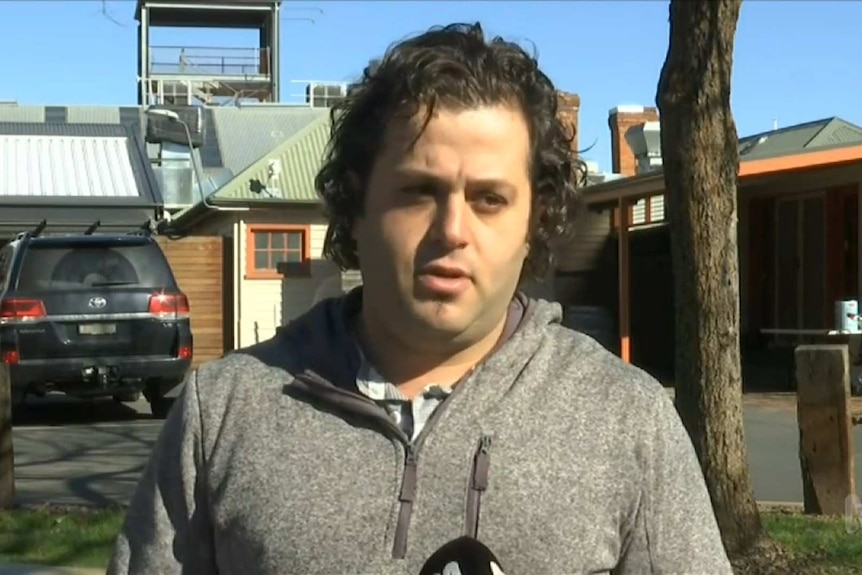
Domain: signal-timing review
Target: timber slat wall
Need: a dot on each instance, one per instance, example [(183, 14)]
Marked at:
[(587, 265), (198, 265)]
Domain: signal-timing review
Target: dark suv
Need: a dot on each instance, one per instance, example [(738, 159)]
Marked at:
[(92, 315)]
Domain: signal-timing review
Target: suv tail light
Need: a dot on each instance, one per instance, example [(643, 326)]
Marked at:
[(21, 309), (169, 306)]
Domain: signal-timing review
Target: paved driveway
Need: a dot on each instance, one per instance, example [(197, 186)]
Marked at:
[(72, 452), (772, 437), (62, 456)]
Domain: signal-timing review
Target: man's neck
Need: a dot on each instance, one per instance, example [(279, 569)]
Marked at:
[(413, 365)]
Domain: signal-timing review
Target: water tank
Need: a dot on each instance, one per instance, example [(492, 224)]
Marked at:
[(595, 321)]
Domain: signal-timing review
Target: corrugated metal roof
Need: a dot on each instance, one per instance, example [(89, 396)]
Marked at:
[(800, 137), (76, 130), (296, 162), (234, 138), (246, 134), (66, 166), (22, 113), (93, 115), (838, 132)]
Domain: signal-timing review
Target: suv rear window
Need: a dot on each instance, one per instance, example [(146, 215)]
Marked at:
[(52, 267)]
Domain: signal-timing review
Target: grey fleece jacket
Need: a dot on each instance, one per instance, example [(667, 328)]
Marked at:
[(558, 456)]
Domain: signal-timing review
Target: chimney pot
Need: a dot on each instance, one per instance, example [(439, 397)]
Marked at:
[(620, 120)]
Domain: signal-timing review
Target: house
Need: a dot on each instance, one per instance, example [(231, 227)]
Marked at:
[(798, 239), (273, 220)]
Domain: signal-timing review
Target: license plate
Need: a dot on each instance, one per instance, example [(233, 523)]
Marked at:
[(97, 328)]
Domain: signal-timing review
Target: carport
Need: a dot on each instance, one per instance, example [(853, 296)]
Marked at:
[(69, 177)]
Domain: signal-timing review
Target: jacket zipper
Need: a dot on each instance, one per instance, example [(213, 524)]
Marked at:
[(408, 483), (361, 404), (405, 507), (478, 485)]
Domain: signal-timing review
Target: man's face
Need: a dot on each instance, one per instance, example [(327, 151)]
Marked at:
[(444, 234)]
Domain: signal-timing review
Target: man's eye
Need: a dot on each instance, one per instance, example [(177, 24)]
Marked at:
[(490, 201)]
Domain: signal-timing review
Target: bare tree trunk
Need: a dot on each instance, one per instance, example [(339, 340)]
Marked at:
[(700, 157)]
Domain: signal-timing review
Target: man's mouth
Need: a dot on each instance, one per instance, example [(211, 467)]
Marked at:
[(444, 280), (445, 271)]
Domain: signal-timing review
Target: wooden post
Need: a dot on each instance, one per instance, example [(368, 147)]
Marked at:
[(624, 276), (825, 427), (7, 455)]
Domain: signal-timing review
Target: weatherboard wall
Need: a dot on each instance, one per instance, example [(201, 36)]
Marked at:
[(265, 304)]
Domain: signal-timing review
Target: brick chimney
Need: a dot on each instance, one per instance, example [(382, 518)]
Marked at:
[(568, 106), (620, 120)]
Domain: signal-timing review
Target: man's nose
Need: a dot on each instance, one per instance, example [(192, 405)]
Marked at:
[(453, 220)]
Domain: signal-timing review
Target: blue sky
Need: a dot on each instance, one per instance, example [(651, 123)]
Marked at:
[(795, 61)]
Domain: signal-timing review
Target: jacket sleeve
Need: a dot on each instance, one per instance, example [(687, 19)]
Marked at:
[(168, 527), (674, 528)]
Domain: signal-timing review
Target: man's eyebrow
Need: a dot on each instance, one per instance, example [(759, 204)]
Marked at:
[(413, 172), (419, 174)]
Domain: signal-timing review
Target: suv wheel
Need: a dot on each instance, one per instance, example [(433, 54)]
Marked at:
[(160, 406), (155, 392), (130, 397), (19, 400)]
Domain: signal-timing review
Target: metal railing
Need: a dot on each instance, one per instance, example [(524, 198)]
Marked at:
[(315, 93), (304, 93), (209, 61), (209, 91)]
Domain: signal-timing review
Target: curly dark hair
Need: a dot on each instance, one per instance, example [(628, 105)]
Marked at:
[(455, 67)]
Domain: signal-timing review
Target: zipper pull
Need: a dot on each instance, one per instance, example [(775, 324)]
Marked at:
[(408, 481), (481, 464), (410, 457)]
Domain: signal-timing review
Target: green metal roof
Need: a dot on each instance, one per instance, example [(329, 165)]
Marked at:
[(286, 174), (283, 176), (826, 133)]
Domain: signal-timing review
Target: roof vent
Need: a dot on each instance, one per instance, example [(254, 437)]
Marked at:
[(645, 142)]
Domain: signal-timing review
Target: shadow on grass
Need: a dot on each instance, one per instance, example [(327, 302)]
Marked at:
[(75, 538)]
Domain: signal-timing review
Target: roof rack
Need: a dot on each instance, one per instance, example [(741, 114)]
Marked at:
[(39, 229), (145, 229), (36, 232)]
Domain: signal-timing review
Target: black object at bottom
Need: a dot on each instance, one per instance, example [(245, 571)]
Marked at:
[(469, 555)]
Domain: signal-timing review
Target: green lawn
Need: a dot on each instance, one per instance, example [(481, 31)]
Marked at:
[(50, 536), (85, 538), (823, 543)]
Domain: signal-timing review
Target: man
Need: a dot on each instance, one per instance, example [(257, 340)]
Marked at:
[(436, 401)]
